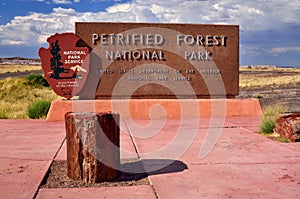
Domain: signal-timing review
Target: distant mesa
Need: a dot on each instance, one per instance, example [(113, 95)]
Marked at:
[(20, 61), (260, 66)]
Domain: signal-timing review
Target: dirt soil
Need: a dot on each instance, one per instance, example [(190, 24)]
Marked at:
[(286, 95), (20, 74), (57, 178)]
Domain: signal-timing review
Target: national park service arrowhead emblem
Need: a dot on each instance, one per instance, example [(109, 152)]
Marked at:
[(65, 66)]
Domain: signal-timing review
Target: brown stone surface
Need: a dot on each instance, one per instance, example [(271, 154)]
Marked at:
[(93, 141), (206, 68), (288, 126)]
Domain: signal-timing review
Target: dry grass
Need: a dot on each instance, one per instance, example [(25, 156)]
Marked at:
[(270, 115), (16, 95), (11, 68), (269, 77)]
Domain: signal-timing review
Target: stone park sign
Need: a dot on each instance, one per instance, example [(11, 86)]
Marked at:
[(144, 60)]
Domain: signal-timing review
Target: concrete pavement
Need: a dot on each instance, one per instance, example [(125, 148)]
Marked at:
[(188, 158)]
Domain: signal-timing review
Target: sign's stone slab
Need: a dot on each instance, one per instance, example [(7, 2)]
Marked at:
[(147, 60), (65, 66)]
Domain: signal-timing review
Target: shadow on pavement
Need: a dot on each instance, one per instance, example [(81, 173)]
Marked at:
[(144, 168)]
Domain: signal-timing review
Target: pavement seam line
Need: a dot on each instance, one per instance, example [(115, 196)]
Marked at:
[(13, 158), (258, 133), (244, 129), (240, 163), (133, 141), (48, 170), (43, 179), (153, 189), (139, 157), (59, 148)]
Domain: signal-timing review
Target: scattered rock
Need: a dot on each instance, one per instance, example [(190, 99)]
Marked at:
[(288, 126), (292, 94)]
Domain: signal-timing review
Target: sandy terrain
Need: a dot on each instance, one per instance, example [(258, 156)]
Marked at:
[(286, 95)]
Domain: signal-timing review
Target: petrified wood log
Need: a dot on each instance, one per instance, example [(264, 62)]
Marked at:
[(288, 126), (93, 146)]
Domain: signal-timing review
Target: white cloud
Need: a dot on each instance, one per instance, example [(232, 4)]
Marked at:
[(259, 50), (252, 16), (253, 50), (62, 1), (12, 42), (284, 49), (107, 0), (119, 8), (64, 11), (28, 30)]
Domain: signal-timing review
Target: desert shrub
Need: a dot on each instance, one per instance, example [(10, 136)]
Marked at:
[(38, 109), (267, 125), (3, 115), (270, 115), (37, 80)]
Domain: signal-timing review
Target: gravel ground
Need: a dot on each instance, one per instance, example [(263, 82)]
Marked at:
[(57, 177), (20, 74), (286, 95)]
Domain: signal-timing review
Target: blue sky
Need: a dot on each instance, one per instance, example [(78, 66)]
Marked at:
[(269, 29)]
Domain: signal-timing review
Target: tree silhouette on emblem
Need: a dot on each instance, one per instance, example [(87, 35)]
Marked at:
[(55, 63)]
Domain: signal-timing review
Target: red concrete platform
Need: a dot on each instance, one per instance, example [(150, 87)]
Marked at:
[(159, 108), (134, 192), (237, 163), (27, 150)]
